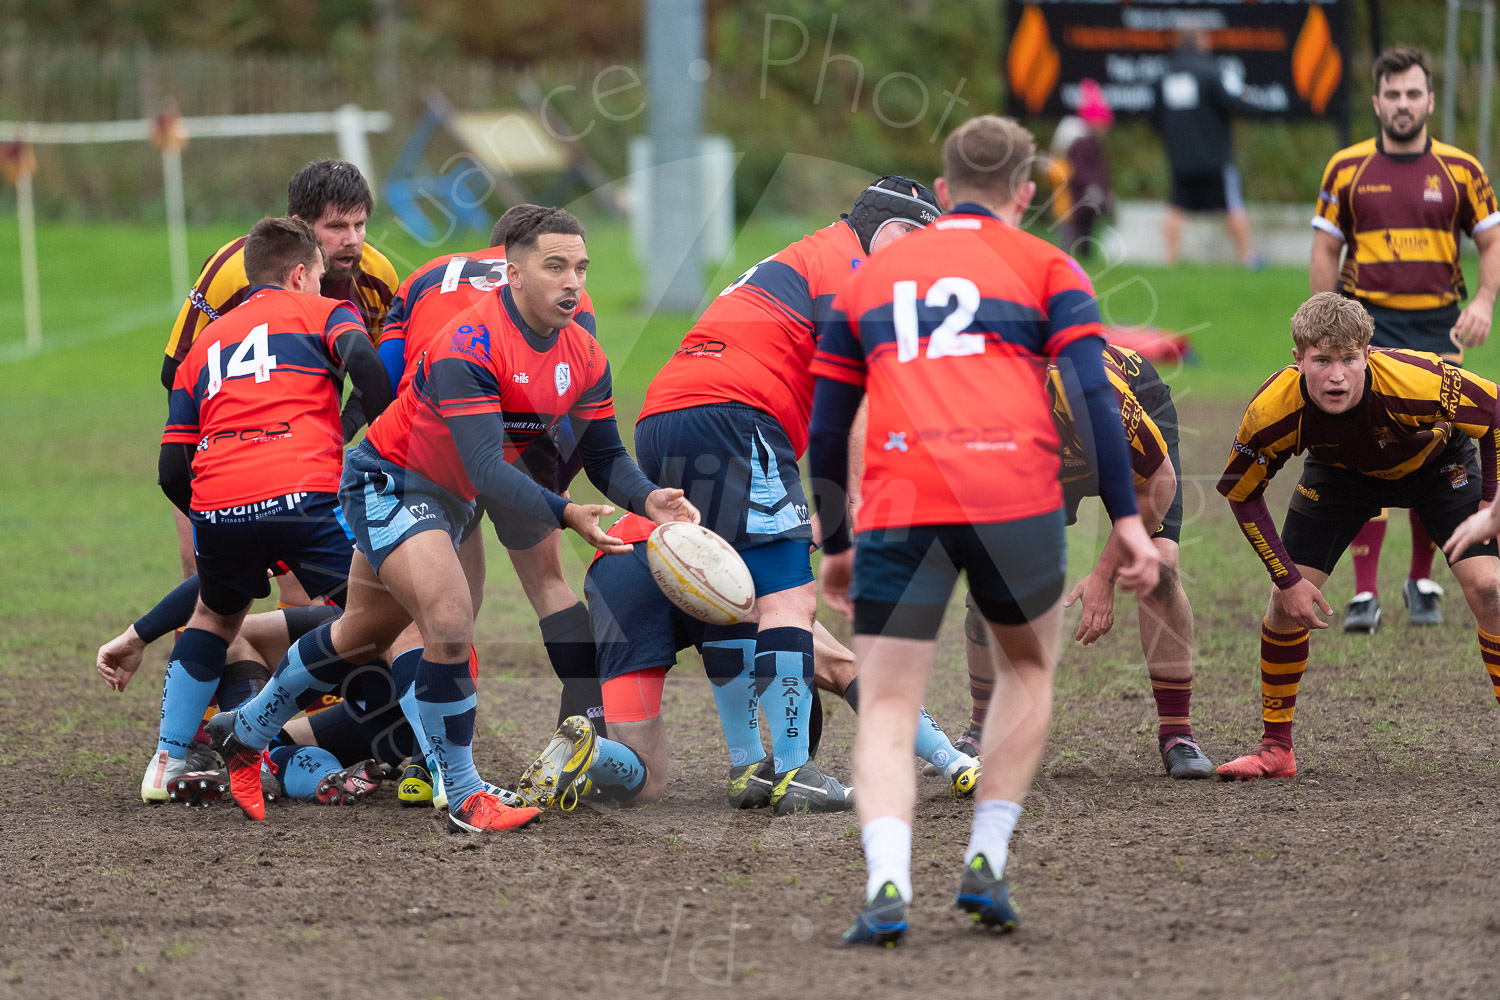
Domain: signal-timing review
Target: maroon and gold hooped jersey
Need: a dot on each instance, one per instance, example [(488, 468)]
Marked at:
[(1400, 217), (258, 393)]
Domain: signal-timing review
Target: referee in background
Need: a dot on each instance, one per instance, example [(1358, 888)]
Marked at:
[(1395, 206)]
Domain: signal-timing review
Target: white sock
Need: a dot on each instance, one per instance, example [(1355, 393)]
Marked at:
[(887, 855), (994, 821)]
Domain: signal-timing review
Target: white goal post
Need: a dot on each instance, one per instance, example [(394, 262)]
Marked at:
[(350, 123)]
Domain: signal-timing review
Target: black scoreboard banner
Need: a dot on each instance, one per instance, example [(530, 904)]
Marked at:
[(1289, 57)]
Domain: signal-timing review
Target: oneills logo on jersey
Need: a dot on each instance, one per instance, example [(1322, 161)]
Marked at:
[(1434, 189), (562, 377)]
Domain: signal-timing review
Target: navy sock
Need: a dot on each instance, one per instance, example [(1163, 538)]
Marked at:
[(569, 639), (783, 675), (242, 680), (851, 695), (618, 770), (311, 664), (404, 676), (729, 662), (446, 697), (299, 769), (192, 677)]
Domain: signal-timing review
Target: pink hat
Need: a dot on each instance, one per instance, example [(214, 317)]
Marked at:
[(1092, 106)]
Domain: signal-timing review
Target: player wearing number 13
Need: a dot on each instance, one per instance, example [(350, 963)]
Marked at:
[(252, 454), (950, 331)]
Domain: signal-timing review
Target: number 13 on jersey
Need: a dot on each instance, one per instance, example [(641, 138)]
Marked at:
[(948, 339)]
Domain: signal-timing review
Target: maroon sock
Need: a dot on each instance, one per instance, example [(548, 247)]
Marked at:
[(1365, 551), (1172, 700), (1421, 550)]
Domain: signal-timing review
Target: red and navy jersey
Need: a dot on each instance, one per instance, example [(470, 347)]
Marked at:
[(487, 360), (258, 393), (754, 343), (440, 290), (950, 331)]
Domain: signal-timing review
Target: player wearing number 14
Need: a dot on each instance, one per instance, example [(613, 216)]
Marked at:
[(252, 454)]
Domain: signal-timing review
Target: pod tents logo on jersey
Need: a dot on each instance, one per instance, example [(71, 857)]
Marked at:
[(562, 377)]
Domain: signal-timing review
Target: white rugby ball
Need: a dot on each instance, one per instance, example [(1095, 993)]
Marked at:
[(700, 573)]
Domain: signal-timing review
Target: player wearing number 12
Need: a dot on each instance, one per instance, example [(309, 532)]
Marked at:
[(950, 331), (252, 454)]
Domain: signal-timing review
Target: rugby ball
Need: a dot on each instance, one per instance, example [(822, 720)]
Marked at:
[(700, 573)]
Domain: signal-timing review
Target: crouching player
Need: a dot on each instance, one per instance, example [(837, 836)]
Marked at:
[(1382, 428), (252, 454), (638, 635), (1166, 618), (517, 364), (938, 328)]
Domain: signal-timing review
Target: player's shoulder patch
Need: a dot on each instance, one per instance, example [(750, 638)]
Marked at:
[(471, 340)]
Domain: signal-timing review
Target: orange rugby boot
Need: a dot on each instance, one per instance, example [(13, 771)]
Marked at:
[(1271, 760)]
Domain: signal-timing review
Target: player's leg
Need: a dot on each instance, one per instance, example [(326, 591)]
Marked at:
[(564, 623), (1166, 624), (1447, 503), (631, 765), (979, 659), (1479, 576), (1363, 613), (1420, 593)]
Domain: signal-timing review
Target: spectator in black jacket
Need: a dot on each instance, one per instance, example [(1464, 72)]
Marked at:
[(1195, 102)]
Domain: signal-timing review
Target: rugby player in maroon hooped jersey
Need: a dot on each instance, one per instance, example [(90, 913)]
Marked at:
[(726, 420), (252, 454), (512, 367), (1383, 428), (950, 331), (436, 292)]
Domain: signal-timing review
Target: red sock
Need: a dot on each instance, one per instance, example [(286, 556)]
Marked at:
[(1365, 550), (1283, 658), (1421, 550), (474, 665), (1172, 700)]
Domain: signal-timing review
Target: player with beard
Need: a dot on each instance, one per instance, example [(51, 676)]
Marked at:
[(1396, 206)]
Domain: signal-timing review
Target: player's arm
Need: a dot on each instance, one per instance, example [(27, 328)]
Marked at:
[(120, 658), (1478, 414), (174, 465), (369, 386), (1473, 326), (1328, 232), (392, 347), (477, 425), (839, 365), (610, 467)]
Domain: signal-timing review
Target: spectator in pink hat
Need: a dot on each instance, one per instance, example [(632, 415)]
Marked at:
[(1079, 163)]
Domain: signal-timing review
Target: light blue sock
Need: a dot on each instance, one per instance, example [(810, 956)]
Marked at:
[(730, 665), (404, 676), (311, 664), (933, 744), (446, 700), (618, 768), (299, 769), (192, 678), (783, 674)]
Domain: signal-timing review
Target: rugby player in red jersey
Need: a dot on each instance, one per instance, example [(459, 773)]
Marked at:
[(1382, 428), (950, 332), (726, 420), (505, 373), (436, 292), (252, 455)]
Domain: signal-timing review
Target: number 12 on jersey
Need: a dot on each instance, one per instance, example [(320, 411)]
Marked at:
[(948, 339), (252, 357)]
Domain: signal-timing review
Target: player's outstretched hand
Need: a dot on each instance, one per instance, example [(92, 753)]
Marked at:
[(120, 658), (833, 579), (1300, 604), (663, 505), (1475, 530), (1139, 561), (1098, 596), (584, 519)]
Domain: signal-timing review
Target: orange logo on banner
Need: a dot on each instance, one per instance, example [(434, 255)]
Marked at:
[(16, 161), (1033, 62), (1317, 66)]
